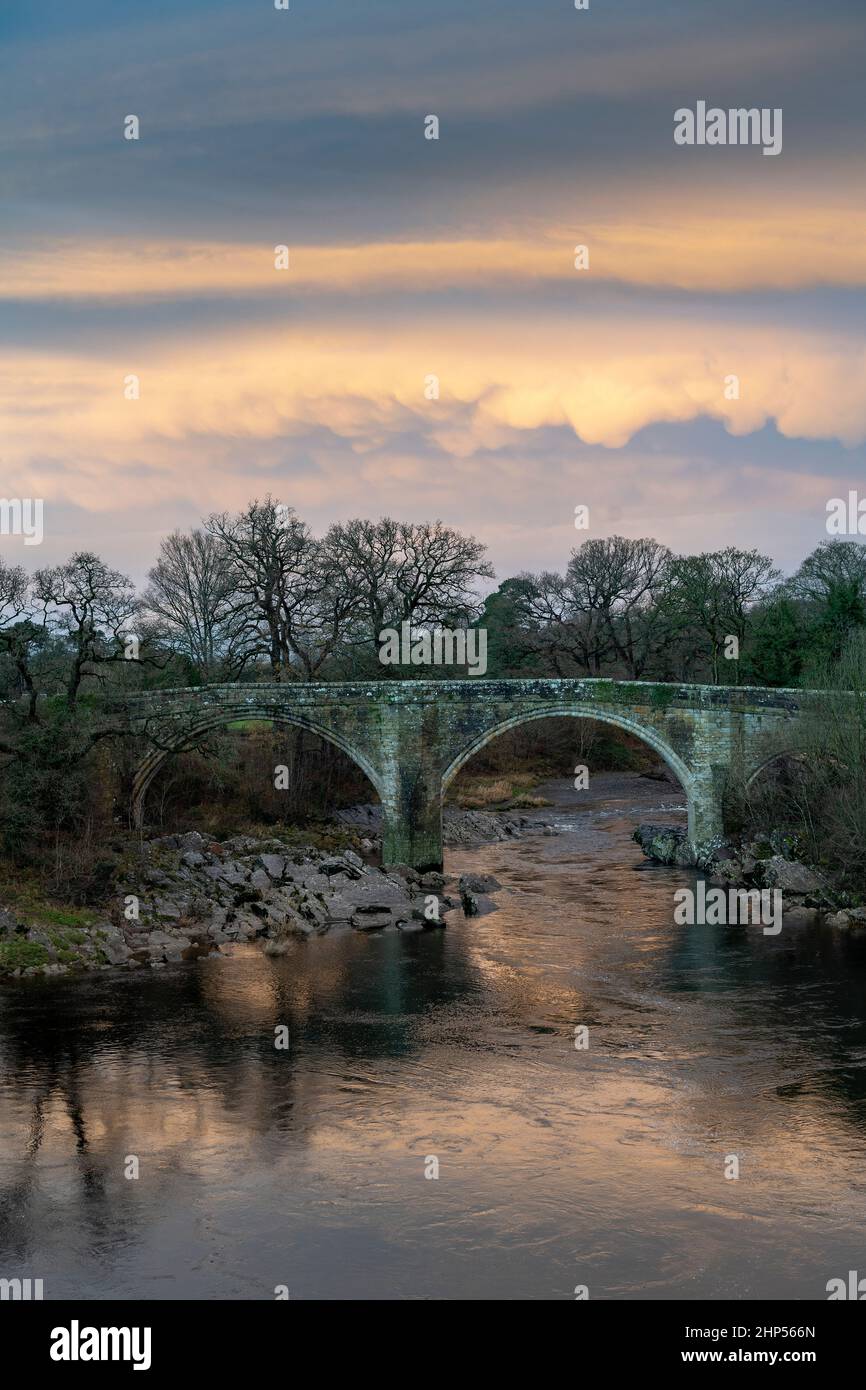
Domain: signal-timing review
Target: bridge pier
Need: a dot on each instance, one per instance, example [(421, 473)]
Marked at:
[(412, 820), (413, 838), (706, 811), (411, 787)]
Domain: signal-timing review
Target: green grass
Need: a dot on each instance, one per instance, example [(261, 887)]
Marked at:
[(62, 940), (21, 955), (66, 917), (66, 927), (25, 895)]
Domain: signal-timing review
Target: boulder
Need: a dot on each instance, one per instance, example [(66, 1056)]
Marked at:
[(840, 920), (163, 946), (311, 910), (338, 907), (179, 949), (666, 844), (405, 871), (341, 864), (308, 877), (727, 871), (419, 912), (233, 873), (274, 865), (192, 842), (479, 883), (302, 928), (170, 909), (800, 916), (433, 881), (116, 950), (376, 891), (373, 918), (790, 876)]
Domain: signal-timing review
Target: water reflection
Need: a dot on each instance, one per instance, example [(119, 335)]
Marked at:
[(557, 1167)]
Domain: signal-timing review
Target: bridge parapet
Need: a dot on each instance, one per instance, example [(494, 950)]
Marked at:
[(656, 694)]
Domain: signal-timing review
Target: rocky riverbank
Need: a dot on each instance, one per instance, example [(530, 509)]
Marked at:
[(807, 896), (458, 827), (188, 896)]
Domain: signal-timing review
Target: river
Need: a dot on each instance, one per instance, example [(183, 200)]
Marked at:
[(558, 1166)]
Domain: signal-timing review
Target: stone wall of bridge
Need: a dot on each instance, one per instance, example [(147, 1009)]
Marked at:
[(412, 737)]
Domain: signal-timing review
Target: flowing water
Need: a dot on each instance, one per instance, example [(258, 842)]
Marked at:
[(558, 1166)]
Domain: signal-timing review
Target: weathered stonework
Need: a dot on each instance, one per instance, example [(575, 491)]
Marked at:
[(412, 737)]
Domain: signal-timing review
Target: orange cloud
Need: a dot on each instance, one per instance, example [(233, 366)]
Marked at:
[(779, 247), (498, 381)]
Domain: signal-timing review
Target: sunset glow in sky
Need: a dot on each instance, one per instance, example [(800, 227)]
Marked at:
[(411, 257)]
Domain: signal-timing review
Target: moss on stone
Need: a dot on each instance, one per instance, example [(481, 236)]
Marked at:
[(662, 696), (604, 691)]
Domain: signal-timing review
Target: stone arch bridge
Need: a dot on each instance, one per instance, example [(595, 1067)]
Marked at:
[(412, 737)]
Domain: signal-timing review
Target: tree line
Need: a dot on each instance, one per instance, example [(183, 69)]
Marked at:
[(633, 609), (257, 596)]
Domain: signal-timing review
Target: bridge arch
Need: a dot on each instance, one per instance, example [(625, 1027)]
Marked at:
[(776, 757), (618, 719), (157, 757)]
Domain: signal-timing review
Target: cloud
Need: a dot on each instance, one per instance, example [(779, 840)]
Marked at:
[(680, 244), (690, 485), (313, 119), (410, 258), (351, 61), (364, 384)]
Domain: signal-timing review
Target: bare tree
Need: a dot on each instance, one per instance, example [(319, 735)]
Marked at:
[(619, 582), (422, 573), (14, 590), (190, 599), (567, 626), (18, 633), (835, 563), (93, 608), (713, 592), (293, 601)]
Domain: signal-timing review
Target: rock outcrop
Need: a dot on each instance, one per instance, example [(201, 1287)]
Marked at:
[(244, 888), (807, 897), (458, 827), (188, 896)]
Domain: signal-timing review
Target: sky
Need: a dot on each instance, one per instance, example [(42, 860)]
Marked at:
[(412, 258)]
